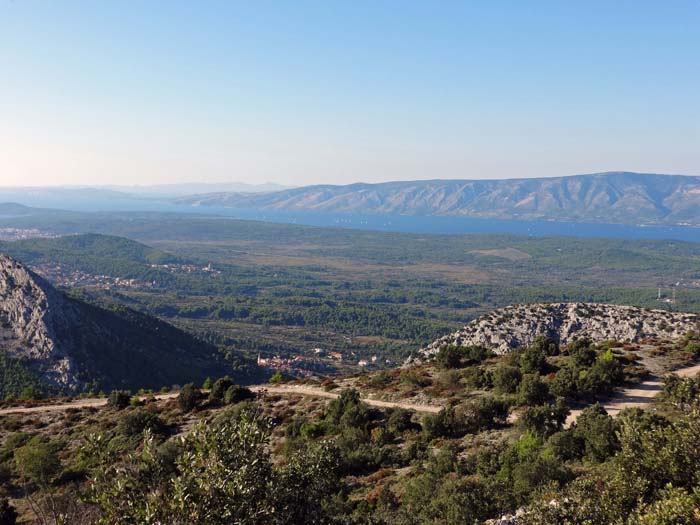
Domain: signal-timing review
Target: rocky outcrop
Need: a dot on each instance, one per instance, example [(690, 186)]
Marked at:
[(508, 519), (30, 308), (519, 325), (70, 345)]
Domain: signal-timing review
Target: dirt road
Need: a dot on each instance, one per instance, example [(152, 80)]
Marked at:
[(319, 392), (95, 402), (637, 396), (272, 389)]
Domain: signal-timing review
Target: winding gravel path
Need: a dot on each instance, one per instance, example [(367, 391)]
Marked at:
[(270, 389), (637, 396), (96, 402), (319, 392)]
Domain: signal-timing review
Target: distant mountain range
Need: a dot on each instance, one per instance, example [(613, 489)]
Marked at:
[(12, 209), (612, 197), (189, 188), (101, 198), (62, 344)]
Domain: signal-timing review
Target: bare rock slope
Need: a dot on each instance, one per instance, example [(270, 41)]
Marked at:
[(70, 345), (519, 325), (29, 310)]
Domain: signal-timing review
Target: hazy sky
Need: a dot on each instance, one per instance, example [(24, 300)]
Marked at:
[(137, 92)]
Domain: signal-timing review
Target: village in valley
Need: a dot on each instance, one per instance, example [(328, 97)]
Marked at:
[(322, 362), (16, 234), (67, 277)]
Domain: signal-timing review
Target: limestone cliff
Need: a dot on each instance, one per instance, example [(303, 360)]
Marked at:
[(71, 345), (519, 325)]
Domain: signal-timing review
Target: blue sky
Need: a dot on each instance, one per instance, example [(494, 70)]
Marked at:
[(135, 92)]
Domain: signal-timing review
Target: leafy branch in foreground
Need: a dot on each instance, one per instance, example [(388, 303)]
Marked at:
[(223, 474)]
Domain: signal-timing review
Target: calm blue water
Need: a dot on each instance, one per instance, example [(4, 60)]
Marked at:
[(396, 223)]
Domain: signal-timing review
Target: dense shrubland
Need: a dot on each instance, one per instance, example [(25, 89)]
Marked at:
[(498, 445)]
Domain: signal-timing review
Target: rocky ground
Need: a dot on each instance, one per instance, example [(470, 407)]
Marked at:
[(30, 308), (519, 325)]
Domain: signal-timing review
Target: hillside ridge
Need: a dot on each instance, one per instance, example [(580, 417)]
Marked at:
[(514, 326), (29, 309), (70, 345), (610, 197)]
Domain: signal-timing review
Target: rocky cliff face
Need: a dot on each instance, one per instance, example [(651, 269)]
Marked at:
[(30, 308), (519, 325), (71, 345)]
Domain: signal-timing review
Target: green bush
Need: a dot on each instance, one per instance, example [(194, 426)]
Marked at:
[(681, 391), (220, 387), (480, 414), (237, 393), (532, 390), (188, 397), (603, 375), (37, 461), (693, 347), (453, 356), (13, 442), (565, 383), (449, 356), (380, 379), (525, 468), (599, 433), (400, 420), (450, 500), (506, 379), (675, 506), (442, 424), (566, 445), (133, 423), (547, 345), (413, 379), (119, 399), (476, 354), (31, 392), (224, 472), (476, 377), (533, 360), (582, 352), (348, 412), (598, 377), (545, 420), (277, 377), (313, 429), (450, 379)]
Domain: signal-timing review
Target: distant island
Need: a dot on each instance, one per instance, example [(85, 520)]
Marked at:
[(611, 197)]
